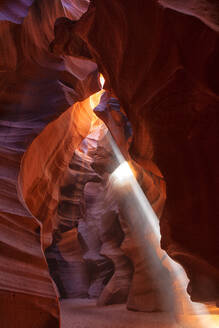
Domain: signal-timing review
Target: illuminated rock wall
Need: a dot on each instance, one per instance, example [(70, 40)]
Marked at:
[(98, 250), (31, 96), (65, 255), (163, 67)]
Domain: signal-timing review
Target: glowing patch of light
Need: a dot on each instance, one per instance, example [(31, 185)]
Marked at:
[(124, 177), (102, 80), (123, 173), (196, 315), (95, 98)]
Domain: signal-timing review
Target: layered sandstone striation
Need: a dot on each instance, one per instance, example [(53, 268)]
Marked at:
[(65, 255), (162, 65), (164, 71), (205, 10), (31, 96), (101, 247)]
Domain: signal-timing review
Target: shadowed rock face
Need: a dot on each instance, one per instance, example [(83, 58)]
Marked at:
[(31, 96), (98, 250), (14, 11), (85, 250), (65, 255), (163, 67), (206, 10)]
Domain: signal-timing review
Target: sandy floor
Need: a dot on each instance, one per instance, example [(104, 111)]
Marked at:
[(83, 313)]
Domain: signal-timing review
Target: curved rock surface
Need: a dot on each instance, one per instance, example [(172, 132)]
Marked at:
[(65, 255), (85, 251), (206, 10), (108, 234), (14, 11), (31, 96), (125, 237), (162, 65), (90, 230), (164, 71)]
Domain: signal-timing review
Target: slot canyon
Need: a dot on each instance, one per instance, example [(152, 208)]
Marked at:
[(109, 140)]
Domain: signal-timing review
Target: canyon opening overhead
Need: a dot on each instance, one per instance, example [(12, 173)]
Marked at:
[(109, 140)]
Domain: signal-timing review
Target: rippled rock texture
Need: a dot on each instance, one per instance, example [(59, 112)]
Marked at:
[(83, 256), (65, 255), (205, 10), (31, 96), (100, 247), (163, 67)]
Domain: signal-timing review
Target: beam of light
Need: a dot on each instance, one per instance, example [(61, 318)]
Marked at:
[(188, 313), (122, 173), (124, 176)]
